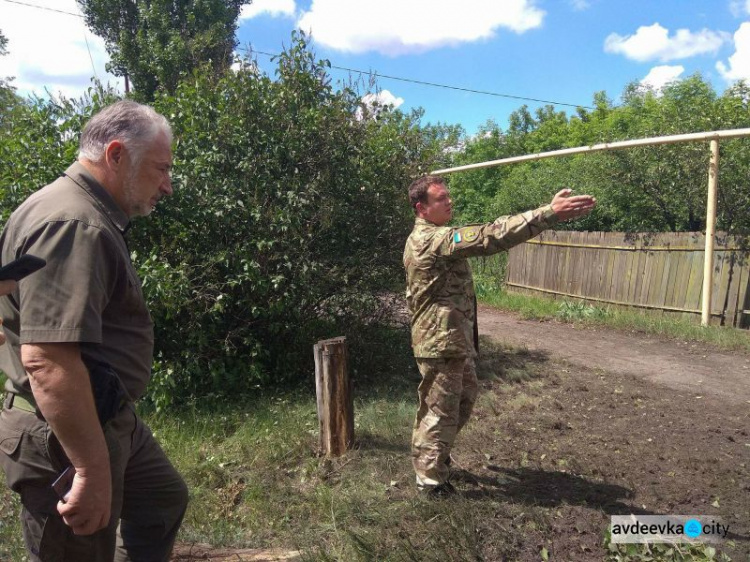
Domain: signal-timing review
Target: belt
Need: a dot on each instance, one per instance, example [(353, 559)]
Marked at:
[(20, 403), (24, 404)]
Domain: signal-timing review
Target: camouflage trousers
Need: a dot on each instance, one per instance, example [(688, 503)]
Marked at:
[(446, 398)]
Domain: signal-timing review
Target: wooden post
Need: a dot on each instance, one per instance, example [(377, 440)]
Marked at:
[(708, 262), (334, 395)]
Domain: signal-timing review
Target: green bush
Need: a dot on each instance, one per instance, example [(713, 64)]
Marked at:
[(286, 226)]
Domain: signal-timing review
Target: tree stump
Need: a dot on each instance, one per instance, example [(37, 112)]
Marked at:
[(334, 394)]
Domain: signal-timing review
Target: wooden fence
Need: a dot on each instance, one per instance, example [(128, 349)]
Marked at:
[(660, 272)]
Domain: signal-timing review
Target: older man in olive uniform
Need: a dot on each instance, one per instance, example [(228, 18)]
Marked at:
[(77, 323), (440, 297)]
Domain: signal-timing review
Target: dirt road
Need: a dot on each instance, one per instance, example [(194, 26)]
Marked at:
[(684, 366)]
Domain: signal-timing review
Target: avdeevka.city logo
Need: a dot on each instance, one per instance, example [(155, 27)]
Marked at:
[(667, 528), (693, 528)]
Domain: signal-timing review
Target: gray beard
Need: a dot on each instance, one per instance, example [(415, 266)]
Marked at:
[(136, 208)]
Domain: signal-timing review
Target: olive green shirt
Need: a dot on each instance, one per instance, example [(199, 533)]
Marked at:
[(439, 284), (87, 293)]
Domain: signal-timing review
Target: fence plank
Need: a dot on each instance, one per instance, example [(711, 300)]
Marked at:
[(695, 276), (662, 272), (646, 264), (720, 277), (680, 282), (641, 259), (743, 297)]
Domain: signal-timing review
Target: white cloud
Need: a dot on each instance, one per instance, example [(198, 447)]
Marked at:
[(580, 5), (739, 8), (661, 76), (375, 103), (396, 27), (739, 62), (273, 8), (383, 97), (654, 43), (49, 49)]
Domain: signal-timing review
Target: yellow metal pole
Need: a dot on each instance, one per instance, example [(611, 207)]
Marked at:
[(670, 139), (708, 263)]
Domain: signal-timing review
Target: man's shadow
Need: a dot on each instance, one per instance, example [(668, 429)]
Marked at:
[(549, 489), (498, 362), (544, 488)]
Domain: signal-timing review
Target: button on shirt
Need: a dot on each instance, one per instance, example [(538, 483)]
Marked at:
[(87, 293), (439, 284)]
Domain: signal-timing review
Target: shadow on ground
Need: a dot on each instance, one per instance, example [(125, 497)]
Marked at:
[(545, 488)]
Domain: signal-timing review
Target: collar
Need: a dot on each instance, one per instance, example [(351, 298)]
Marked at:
[(78, 173), (419, 221)]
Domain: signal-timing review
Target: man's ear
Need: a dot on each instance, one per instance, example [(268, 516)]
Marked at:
[(419, 207), (114, 154)]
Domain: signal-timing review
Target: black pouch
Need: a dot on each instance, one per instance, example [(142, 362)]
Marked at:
[(109, 394)]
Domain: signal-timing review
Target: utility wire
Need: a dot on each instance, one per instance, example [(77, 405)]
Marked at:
[(371, 73), (42, 8), (91, 58), (436, 85), (85, 38)]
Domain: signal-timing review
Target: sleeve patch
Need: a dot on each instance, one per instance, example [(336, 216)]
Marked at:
[(457, 237), (469, 234)]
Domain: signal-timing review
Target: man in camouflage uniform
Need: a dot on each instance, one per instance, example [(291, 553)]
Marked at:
[(441, 301)]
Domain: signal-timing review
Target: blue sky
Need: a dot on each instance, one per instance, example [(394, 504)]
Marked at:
[(561, 51)]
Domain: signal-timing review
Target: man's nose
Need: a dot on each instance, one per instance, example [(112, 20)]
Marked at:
[(166, 186)]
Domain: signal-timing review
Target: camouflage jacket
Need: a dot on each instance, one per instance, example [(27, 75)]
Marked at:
[(439, 285)]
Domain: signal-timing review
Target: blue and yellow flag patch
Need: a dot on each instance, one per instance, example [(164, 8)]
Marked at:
[(467, 234)]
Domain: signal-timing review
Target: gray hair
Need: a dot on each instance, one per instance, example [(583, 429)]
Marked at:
[(133, 124)]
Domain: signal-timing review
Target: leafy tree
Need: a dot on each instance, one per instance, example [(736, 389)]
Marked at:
[(39, 140), (9, 101), (156, 42), (656, 188)]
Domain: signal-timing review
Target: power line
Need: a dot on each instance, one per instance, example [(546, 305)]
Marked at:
[(42, 8), (436, 85), (371, 73), (85, 38), (91, 58)]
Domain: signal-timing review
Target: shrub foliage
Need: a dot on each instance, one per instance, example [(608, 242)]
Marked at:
[(286, 226)]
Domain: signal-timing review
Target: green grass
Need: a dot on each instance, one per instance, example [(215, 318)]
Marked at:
[(256, 479), (492, 293), (11, 543)]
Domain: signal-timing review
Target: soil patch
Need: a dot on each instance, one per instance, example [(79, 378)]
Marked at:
[(585, 445), (624, 424)]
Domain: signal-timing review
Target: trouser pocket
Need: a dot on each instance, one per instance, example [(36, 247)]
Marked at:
[(26, 452)]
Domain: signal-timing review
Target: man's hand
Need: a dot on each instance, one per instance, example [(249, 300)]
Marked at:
[(568, 207), (86, 508), (61, 387)]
